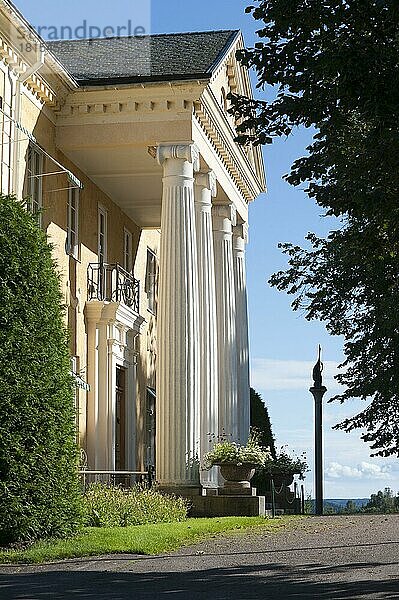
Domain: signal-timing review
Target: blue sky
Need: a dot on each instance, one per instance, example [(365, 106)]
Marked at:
[(283, 343)]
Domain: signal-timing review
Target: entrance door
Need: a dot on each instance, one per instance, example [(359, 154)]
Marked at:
[(120, 416)]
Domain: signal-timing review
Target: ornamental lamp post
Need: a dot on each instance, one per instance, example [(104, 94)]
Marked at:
[(318, 390)]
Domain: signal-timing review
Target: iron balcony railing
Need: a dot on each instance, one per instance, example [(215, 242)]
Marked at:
[(111, 283)]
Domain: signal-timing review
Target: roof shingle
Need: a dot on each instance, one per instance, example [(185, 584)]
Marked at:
[(163, 57)]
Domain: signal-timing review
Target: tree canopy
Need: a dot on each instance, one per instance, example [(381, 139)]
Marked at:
[(39, 490), (334, 67), (383, 502)]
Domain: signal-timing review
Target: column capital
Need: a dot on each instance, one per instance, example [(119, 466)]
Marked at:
[(223, 212), (179, 151), (208, 181), (241, 231)]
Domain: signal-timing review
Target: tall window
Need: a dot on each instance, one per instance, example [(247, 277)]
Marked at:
[(102, 235), (127, 251), (151, 281), (73, 223), (33, 181), (6, 135)]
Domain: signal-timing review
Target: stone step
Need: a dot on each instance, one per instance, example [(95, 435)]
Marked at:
[(227, 506)]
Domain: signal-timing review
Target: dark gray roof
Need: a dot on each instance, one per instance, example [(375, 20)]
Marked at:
[(163, 57)]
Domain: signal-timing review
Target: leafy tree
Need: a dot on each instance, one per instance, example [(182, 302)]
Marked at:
[(328, 508), (350, 508), (260, 421), (334, 67), (309, 505), (39, 492), (383, 502)]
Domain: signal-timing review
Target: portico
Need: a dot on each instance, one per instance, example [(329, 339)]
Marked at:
[(164, 152)]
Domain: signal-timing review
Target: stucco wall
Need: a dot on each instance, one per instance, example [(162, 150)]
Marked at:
[(73, 273)]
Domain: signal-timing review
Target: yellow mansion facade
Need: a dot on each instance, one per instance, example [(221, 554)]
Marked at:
[(125, 151)]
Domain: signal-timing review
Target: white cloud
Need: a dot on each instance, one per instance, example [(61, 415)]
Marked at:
[(269, 374), (364, 470)]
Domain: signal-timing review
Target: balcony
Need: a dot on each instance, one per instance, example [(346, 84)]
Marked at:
[(111, 283)]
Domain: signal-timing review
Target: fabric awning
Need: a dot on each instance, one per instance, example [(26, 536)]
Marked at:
[(69, 173), (80, 383), (75, 180)]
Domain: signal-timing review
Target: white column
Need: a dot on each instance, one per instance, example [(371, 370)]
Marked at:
[(205, 188), (103, 450), (178, 427), (111, 445), (92, 314), (240, 238), (224, 217), (131, 399)]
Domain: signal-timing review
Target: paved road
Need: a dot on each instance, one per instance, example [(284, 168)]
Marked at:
[(327, 558)]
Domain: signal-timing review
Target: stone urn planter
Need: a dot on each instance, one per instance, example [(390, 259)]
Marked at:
[(237, 477)]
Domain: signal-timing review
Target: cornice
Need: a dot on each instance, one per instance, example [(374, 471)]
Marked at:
[(233, 157), (42, 91), (76, 108), (113, 312), (34, 83), (167, 99), (15, 27), (239, 82)]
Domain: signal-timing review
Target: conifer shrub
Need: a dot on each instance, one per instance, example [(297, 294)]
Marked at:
[(39, 489), (260, 422)]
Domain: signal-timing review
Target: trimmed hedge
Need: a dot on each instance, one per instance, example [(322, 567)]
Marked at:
[(39, 490)]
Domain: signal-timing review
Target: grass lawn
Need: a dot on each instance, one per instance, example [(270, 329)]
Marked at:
[(140, 539)]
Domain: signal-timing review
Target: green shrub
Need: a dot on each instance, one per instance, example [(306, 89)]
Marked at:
[(224, 451), (112, 506), (286, 464), (39, 490)]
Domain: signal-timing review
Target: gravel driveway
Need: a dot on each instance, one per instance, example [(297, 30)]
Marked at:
[(326, 558)]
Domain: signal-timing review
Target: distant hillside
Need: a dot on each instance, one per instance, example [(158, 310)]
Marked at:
[(341, 503), (337, 503)]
